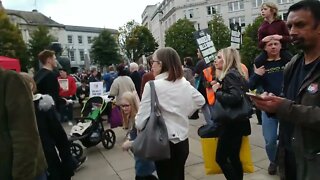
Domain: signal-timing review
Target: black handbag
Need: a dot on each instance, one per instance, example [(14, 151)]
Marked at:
[(241, 111), (237, 112), (152, 141), (209, 130)]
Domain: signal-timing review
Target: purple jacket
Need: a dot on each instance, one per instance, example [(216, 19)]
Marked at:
[(276, 27)]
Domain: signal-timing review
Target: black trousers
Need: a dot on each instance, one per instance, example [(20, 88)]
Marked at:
[(228, 156), (173, 168)]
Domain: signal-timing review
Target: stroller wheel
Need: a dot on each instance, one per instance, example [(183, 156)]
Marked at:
[(108, 139), (76, 150)]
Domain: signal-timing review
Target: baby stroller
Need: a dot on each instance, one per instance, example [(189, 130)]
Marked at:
[(89, 129)]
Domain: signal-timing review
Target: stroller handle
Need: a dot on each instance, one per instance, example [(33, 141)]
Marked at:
[(81, 119)]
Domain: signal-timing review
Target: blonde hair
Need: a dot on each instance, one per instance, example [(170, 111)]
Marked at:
[(273, 8), (30, 82), (231, 59), (132, 99)]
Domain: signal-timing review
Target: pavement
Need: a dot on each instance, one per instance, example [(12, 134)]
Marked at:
[(115, 164)]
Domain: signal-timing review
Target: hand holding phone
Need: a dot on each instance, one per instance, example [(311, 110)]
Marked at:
[(253, 95)]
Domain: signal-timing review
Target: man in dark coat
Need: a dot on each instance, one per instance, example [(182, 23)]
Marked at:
[(300, 105), (135, 76)]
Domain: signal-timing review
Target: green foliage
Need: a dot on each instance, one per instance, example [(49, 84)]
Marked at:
[(40, 40), (105, 50), (11, 42), (124, 34), (219, 32), (140, 42), (180, 37), (249, 48)]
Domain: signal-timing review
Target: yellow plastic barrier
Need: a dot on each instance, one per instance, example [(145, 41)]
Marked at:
[(209, 147)]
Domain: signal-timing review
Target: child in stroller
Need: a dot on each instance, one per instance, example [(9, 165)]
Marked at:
[(89, 129)]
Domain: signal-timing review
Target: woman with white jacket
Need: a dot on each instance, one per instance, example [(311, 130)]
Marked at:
[(177, 100)]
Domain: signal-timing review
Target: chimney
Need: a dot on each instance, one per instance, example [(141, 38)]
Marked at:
[(34, 10), (1, 6)]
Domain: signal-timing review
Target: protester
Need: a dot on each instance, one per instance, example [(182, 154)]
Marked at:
[(177, 100), (228, 93), (46, 79), (120, 85), (300, 104), (109, 77), (270, 78), (135, 76), (67, 91), (22, 156), (93, 76), (199, 79), (53, 137), (141, 70), (147, 76), (129, 108), (272, 28), (188, 72)]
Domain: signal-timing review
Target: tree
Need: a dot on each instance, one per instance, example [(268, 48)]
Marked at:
[(124, 34), (40, 40), (141, 42), (105, 50), (219, 32), (249, 48), (11, 42), (180, 37)]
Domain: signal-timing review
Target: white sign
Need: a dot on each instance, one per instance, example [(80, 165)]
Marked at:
[(64, 84), (96, 89), (205, 45)]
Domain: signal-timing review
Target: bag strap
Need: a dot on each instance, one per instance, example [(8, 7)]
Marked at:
[(153, 96), (155, 105)]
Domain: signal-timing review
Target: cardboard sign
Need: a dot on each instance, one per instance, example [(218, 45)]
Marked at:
[(96, 89), (64, 84), (205, 45), (235, 35)]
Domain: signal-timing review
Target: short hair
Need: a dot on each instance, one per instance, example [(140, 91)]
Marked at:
[(111, 68), (29, 81), (121, 70), (134, 66), (44, 55), (310, 5), (273, 8), (189, 61), (93, 70), (171, 63)]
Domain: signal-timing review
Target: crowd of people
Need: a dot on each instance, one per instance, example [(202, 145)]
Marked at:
[(34, 145)]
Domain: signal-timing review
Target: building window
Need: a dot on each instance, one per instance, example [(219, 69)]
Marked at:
[(190, 13), (71, 54), (81, 53), (240, 20), (89, 39), (213, 9), (236, 5), (257, 3), (80, 39), (284, 1), (284, 16), (70, 39)]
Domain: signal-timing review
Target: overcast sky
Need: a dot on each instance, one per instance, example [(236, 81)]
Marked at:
[(94, 13)]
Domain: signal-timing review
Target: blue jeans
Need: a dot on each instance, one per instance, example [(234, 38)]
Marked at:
[(207, 114), (270, 134)]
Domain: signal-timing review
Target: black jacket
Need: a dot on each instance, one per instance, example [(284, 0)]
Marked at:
[(52, 135), (229, 95), (304, 113)]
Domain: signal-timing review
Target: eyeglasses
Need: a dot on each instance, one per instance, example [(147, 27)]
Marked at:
[(152, 61), (125, 105)]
